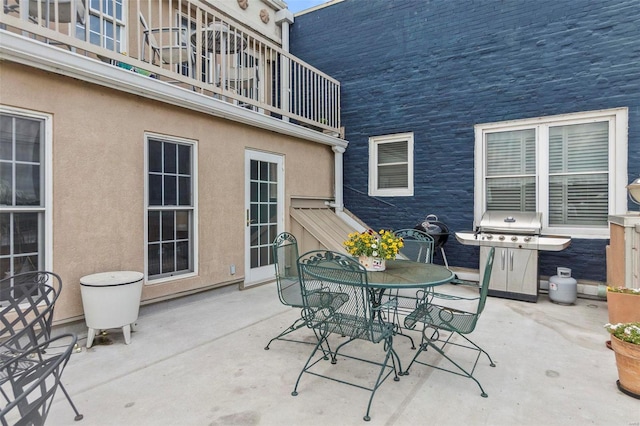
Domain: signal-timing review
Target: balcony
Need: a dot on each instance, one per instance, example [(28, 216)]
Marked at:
[(184, 44)]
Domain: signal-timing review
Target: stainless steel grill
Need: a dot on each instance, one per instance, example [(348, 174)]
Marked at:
[(516, 237)]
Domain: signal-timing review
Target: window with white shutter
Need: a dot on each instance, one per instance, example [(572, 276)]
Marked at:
[(571, 167)]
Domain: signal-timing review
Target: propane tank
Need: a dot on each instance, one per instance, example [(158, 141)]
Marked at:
[(562, 288)]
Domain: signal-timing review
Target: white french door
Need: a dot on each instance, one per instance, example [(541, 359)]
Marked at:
[(264, 213)]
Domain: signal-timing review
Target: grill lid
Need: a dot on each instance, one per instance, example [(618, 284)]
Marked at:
[(511, 222)]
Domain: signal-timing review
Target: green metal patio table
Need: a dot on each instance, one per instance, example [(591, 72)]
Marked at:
[(400, 274)]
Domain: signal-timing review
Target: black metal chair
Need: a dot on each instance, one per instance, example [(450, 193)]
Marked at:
[(338, 300), (30, 381), (441, 316), (28, 301)]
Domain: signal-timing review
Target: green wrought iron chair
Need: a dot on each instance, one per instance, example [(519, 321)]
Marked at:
[(417, 246), (285, 255), (338, 300), (437, 315)]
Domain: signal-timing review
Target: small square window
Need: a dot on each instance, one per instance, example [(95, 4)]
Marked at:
[(391, 165)]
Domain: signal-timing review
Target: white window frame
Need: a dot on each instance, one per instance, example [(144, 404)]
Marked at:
[(193, 207), (618, 135), (103, 16), (47, 173), (374, 141)]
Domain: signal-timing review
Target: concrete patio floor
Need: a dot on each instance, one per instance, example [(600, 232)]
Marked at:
[(200, 360)]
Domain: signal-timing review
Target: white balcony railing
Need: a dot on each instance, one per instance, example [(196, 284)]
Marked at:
[(189, 44)]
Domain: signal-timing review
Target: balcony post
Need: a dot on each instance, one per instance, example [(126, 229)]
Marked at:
[(285, 18)]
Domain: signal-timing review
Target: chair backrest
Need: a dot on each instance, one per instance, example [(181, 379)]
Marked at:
[(46, 9), (484, 286), (26, 319), (418, 245), (31, 381), (285, 255), (170, 44), (337, 297)]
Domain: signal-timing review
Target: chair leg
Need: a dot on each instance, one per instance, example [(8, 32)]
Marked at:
[(391, 353), (426, 343), (491, 363), (298, 324), (309, 364), (78, 416)]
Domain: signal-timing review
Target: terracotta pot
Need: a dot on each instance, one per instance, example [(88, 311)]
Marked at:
[(623, 307), (628, 363)]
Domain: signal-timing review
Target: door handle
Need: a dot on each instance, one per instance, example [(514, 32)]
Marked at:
[(249, 221), (511, 261), (502, 259)]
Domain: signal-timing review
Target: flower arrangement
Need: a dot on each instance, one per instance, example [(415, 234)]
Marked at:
[(383, 244), (624, 290), (627, 332)]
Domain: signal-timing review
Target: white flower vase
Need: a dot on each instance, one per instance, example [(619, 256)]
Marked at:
[(372, 263)]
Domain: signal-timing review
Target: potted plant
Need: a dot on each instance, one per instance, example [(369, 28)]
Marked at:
[(625, 342), (373, 248)]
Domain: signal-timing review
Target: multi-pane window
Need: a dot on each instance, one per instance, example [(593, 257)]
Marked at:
[(571, 168), (22, 195), (170, 209), (391, 165), (106, 24)]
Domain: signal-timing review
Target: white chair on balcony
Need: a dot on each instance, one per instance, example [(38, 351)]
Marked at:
[(170, 45)]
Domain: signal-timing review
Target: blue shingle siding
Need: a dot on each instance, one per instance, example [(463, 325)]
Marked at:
[(437, 68)]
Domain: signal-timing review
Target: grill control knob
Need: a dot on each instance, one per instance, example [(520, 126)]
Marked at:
[(527, 239), (501, 237), (514, 238), (489, 237)]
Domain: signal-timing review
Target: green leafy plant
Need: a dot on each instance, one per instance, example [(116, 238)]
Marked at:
[(624, 290), (383, 244), (627, 332)]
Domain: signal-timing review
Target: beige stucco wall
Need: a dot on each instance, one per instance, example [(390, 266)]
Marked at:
[(98, 179)]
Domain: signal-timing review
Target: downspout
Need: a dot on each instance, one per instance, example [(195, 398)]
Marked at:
[(284, 18), (338, 202)]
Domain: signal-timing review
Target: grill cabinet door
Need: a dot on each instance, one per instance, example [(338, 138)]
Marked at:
[(515, 271)]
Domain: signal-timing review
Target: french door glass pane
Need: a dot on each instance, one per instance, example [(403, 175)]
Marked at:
[(263, 204)]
